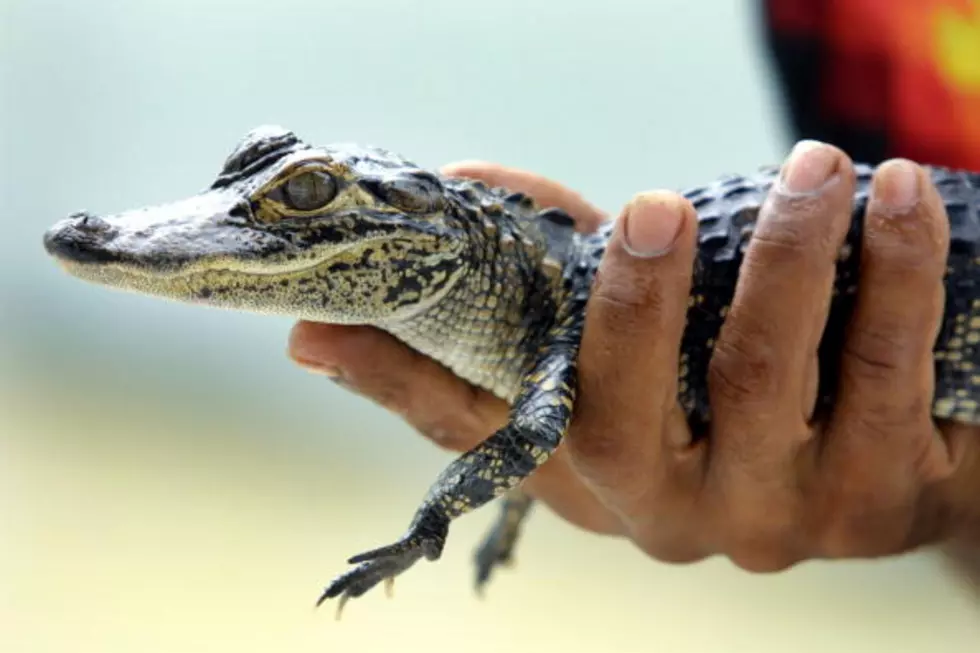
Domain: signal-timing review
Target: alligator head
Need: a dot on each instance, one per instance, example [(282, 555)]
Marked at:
[(344, 234)]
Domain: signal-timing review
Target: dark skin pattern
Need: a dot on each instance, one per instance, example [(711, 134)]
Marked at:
[(543, 401)]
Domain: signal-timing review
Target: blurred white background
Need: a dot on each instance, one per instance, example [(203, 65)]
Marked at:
[(169, 481)]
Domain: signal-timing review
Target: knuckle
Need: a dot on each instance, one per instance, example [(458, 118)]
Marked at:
[(796, 253), (868, 498), (880, 348), (853, 535), (793, 256), (861, 429), (381, 392), (628, 303), (783, 239), (639, 283), (596, 453), (911, 244), (743, 367), (671, 551), (760, 535), (861, 519), (609, 436), (763, 561), (880, 420), (666, 521), (448, 430), (441, 437), (790, 227), (622, 311), (874, 467), (905, 248), (556, 485), (765, 550), (642, 295)]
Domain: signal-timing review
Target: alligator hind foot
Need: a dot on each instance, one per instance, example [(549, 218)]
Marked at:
[(497, 548), (426, 538)]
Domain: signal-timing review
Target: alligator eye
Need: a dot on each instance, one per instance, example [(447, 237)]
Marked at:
[(309, 191)]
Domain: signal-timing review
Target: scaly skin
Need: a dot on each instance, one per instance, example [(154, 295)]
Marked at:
[(479, 279)]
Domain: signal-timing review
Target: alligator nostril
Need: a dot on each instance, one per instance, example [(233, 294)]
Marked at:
[(81, 238), (91, 223)]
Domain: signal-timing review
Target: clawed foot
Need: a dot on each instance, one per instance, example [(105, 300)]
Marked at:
[(384, 564), (497, 550), (366, 575)]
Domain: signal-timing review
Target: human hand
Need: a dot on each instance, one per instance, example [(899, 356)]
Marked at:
[(766, 488)]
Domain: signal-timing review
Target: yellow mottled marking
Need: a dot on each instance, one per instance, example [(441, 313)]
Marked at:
[(945, 407)]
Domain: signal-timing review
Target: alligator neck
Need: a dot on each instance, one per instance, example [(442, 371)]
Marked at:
[(489, 325)]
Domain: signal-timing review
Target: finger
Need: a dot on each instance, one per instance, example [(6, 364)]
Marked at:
[(887, 365), (883, 418), (448, 411), (558, 484), (764, 365), (368, 361), (628, 426), (546, 192), (763, 371)]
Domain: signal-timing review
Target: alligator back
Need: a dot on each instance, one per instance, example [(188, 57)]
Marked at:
[(727, 211)]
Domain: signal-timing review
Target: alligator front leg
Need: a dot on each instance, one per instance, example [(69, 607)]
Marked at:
[(538, 420)]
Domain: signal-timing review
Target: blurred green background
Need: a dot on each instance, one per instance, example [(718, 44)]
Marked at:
[(169, 481)]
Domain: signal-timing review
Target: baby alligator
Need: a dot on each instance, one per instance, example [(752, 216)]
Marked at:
[(477, 278)]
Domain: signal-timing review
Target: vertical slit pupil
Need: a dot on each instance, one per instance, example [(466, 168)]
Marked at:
[(310, 190)]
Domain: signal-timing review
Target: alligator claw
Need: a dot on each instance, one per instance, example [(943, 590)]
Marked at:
[(365, 576), (382, 564)]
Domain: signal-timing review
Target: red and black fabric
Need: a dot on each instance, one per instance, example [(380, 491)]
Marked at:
[(881, 78)]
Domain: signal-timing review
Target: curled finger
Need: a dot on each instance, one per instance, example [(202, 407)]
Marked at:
[(763, 374), (882, 445), (546, 192), (629, 439)]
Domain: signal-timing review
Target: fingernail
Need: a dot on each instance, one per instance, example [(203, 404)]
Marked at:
[(895, 187), (651, 225), (319, 368), (809, 166)]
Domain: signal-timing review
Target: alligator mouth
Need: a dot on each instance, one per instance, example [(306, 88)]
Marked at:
[(213, 283), (186, 261), (84, 243)]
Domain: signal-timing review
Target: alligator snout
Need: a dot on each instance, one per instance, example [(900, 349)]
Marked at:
[(81, 237)]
